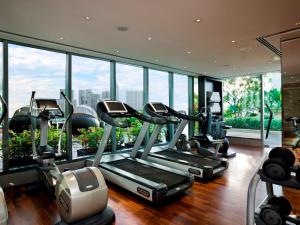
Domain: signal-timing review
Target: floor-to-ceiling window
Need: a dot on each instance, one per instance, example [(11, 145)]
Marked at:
[(129, 90), (272, 98), (1, 62), (31, 69), (90, 84), (196, 104), (242, 104), (181, 95), (159, 92)]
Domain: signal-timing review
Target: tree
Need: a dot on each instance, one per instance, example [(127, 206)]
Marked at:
[(242, 96)]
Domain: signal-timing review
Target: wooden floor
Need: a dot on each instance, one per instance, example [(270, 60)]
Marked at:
[(220, 202)]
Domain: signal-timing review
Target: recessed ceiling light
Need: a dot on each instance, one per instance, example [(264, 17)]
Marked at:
[(205, 72), (87, 18), (122, 28), (61, 38), (233, 41), (215, 61), (184, 67), (197, 20), (298, 23), (117, 51), (149, 38), (276, 58), (189, 52)]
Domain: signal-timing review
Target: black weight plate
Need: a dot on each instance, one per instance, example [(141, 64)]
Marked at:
[(271, 217), (282, 203), (284, 154), (298, 174), (276, 169)]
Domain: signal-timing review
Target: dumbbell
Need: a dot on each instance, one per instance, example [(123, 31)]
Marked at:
[(279, 165), (274, 212)]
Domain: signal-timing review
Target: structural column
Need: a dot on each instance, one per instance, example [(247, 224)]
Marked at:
[(68, 92), (171, 103), (5, 135), (113, 96)]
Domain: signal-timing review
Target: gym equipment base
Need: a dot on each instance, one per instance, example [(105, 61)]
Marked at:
[(228, 154), (107, 216)]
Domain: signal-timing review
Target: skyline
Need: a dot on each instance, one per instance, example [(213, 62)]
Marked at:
[(44, 71)]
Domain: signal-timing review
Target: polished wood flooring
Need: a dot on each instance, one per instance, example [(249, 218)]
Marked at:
[(219, 202)]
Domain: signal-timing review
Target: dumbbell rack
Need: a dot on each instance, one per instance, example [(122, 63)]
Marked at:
[(253, 214)]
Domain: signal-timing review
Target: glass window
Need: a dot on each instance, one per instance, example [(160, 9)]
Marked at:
[(159, 92), (181, 96), (130, 90), (158, 86), (90, 84), (30, 70), (272, 97), (242, 106), (1, 62), (196, 104)]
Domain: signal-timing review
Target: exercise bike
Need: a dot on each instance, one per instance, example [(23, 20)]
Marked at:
[(212, 141), (82, 194)]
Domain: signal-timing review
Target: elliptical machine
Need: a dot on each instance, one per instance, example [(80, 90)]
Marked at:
[(3, 207), (82, 194)]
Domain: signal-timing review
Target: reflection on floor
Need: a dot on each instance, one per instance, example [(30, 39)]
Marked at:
[(274, 138), (219, 202)]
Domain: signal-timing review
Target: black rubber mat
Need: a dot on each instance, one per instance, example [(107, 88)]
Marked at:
[(199, 160), (157, 175)]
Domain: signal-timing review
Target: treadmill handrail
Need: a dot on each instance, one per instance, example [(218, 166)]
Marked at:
[(168, 119), (146, 118), (4, 109), (108, 119), (111, 120), (171, 112)]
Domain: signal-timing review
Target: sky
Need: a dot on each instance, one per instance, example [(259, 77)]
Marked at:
[(44, 72)]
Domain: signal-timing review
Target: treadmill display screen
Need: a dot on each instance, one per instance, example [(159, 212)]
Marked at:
[(115, 107), (158, 107), (48, 103)]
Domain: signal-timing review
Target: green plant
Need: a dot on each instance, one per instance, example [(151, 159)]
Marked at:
[(90, 137), (20, 145), (252, 123), (133, 131)]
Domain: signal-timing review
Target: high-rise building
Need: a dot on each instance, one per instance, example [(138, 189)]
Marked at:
[(105, 95), (89, 98), (135, 99)]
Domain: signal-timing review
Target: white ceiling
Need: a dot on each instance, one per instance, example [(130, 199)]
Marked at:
[(171, 25)]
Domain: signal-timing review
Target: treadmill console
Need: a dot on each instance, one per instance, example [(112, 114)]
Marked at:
[(115, 107), (158, 107)]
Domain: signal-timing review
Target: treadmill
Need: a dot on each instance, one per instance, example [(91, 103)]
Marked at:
[(200, 166), (149, 180)]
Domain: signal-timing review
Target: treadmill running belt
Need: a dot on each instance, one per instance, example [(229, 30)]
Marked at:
[(150, 173), (199, 160)]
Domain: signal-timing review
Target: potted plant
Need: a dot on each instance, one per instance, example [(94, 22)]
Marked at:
[(20, 146), (89, 139)]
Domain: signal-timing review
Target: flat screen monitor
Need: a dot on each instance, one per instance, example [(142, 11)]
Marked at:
[(47, 103), (158, 107), (115, 107)]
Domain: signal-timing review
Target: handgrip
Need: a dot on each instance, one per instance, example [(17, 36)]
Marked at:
[(32, 94), (69, 103), (4, 105)]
